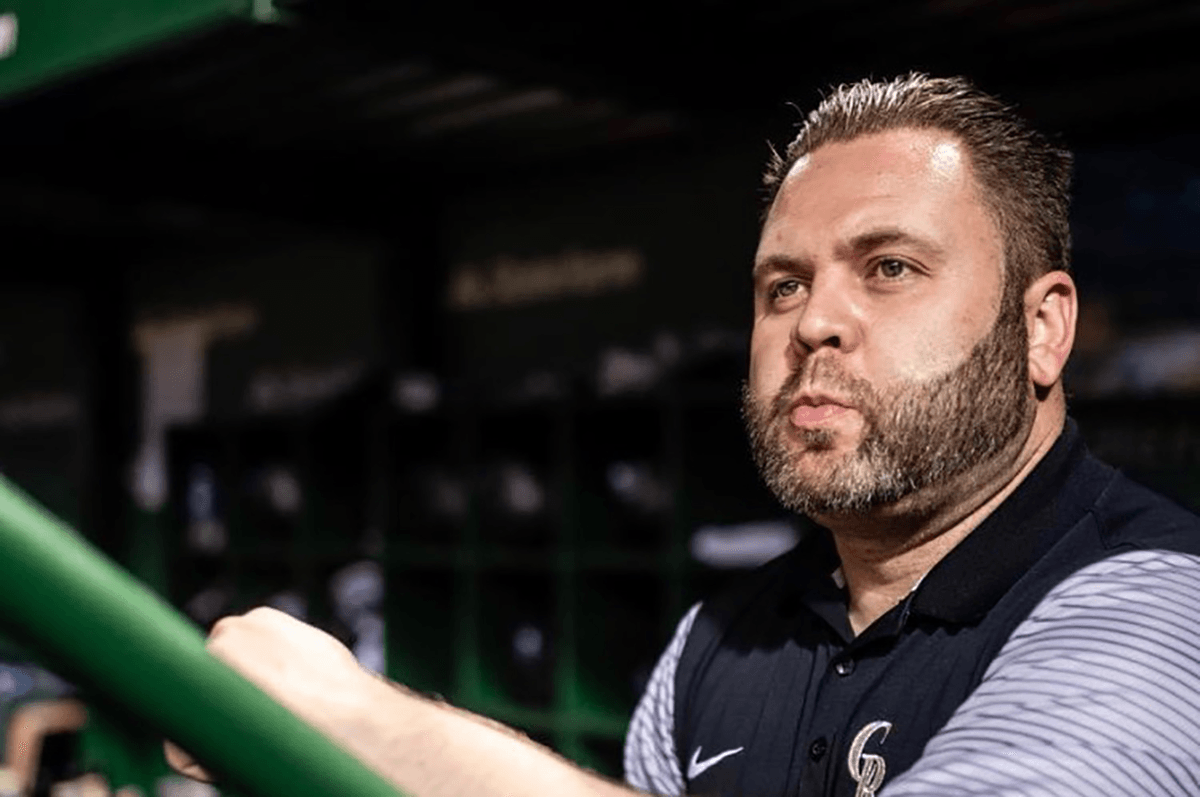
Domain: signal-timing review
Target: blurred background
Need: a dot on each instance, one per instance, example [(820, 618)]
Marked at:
[(426, 323)]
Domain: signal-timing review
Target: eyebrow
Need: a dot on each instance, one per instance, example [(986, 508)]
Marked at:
[(870, 240), (779, 264), (857, 246)]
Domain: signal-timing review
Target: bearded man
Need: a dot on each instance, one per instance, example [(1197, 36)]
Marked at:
[(988, 610)]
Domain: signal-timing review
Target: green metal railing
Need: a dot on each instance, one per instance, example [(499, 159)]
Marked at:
[(116, 636), (45, 40)]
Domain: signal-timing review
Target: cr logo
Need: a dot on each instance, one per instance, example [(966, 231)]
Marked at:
[(867, 769)]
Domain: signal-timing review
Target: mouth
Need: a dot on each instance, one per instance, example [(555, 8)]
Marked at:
[(814, 409)]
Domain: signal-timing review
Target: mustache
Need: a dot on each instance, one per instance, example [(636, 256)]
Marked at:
[(822, 375)]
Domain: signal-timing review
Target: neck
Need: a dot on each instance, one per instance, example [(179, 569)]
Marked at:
[(885, 554)]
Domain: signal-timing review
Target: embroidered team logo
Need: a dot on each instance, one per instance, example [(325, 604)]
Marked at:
[(867, 769)]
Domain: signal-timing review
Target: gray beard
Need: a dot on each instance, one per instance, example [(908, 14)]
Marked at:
[(917, 435)]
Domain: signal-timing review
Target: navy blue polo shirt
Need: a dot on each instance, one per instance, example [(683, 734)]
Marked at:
[(1058, 643)]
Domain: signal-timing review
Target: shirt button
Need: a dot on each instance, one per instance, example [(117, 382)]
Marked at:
[(844, 667), (817, 750)]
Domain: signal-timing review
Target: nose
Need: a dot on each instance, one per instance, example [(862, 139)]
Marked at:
[(828, 319)]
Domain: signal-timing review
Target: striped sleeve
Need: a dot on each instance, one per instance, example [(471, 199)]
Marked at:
[(650, 760), (1097, 692)]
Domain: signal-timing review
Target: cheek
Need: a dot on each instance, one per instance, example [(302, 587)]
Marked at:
[(768, 359), (920, 362), (918, 352)]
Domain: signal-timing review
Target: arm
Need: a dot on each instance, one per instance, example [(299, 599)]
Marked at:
[(426, 748), (1097, 692)]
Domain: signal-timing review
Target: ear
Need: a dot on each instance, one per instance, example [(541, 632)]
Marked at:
[(1051, 307)]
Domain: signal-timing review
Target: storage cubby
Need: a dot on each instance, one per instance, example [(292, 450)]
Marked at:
[(336, 484), (623, 485), (200, 471), (264, 582), (270, 490), (618, 638), (720, 484), (422, 614), (429, 487), (519, 638), (518, 469)]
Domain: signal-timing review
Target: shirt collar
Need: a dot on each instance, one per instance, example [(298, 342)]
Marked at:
[(973, 576), (979, 570), (819, 585)]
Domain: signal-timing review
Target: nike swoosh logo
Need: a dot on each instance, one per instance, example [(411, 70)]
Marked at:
[(696, 767)]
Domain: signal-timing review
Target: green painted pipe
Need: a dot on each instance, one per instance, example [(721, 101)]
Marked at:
[(117, 637)]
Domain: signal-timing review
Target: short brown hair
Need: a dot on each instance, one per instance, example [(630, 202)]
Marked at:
[(1025, 179)]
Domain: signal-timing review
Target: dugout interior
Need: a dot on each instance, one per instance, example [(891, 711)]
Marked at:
[(429, 326)]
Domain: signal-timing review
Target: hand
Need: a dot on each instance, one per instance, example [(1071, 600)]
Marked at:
[(302, 667)]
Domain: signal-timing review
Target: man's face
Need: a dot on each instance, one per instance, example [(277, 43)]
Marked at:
[(888, 355)]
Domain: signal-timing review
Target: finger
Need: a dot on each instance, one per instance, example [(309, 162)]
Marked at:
[(184, 764)]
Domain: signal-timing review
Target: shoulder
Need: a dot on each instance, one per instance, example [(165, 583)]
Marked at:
[(1130, 515), (1097, 691), (1090, 612)]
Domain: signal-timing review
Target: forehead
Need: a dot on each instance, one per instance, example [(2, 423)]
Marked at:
[(921, 178), (911, 149)]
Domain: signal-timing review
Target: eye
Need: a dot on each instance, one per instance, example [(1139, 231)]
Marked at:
[(892, 268), (783, 288)]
